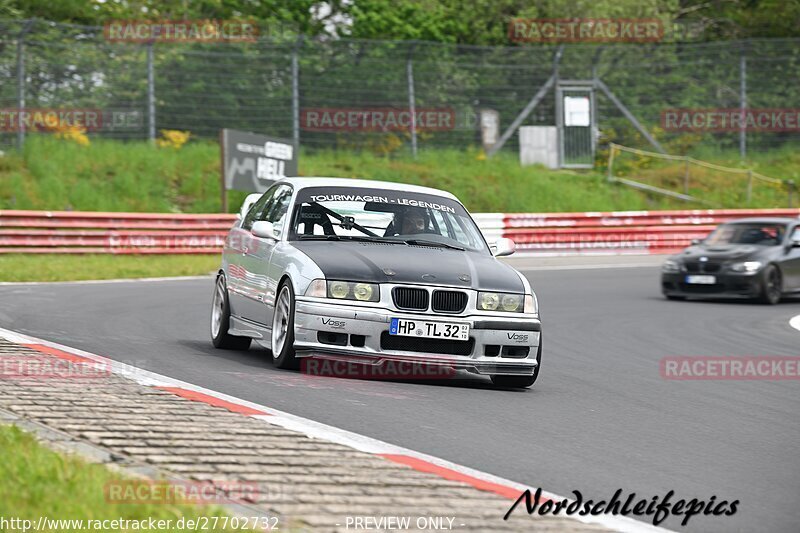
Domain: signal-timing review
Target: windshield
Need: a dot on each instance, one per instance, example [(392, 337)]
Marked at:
[(353, 213), (761, 234)]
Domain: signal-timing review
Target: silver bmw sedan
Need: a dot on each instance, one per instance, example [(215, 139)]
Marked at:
[(375, 274)]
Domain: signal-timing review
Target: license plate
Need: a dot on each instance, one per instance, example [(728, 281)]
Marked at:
[(701, 280), (428, 330)]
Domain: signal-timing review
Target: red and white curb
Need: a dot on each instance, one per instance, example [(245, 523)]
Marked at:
[(418, 461)]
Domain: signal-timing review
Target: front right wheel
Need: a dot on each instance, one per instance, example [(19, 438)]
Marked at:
[(221, 318)]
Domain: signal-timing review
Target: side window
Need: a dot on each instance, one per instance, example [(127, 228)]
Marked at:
[(277, 209), (258, 208), (795, 235), (441, 225)]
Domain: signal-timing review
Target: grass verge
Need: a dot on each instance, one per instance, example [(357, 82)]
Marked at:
[(56, 267), (36, 481), (109, 175)]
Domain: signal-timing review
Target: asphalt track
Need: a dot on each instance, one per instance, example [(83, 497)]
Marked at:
[(600, 418)]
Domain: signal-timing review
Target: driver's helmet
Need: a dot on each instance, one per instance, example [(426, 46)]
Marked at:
[(412, 221)]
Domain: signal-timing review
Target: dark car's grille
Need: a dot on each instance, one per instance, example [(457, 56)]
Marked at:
[(449, 301), (410, 299), (416, 344), (695, 267)]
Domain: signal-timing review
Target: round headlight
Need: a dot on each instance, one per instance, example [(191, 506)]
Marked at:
[(511, 302), (363, 291), (489, 301), (339, 289)]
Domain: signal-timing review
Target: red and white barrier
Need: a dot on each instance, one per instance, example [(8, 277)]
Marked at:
[(112, 233), (616, 232), (536, 233)]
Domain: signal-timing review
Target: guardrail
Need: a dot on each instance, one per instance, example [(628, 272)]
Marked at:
[(620, 232), (617, 232), (67, 232)]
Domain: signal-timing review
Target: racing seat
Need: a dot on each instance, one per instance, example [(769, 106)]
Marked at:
[(390, 231), (310, 216)]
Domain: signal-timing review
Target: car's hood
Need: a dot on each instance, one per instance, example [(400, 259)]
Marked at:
[(398, 263), (726, 252)]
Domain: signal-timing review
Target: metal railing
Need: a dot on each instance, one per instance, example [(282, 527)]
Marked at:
[(638, 183)]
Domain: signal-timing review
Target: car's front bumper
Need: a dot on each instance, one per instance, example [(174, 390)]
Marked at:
[(728, 284), (497, 345)]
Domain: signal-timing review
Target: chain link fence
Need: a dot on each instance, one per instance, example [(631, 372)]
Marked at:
[(270, 85)]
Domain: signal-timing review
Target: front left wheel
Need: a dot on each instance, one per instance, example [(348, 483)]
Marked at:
[(283, 354), (520, 382), (772, 286), (221, 318)]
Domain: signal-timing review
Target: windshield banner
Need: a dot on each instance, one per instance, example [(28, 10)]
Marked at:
[(380, 196)]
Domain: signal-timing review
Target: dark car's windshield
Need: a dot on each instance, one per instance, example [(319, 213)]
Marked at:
[(749, 233), (384, 215)]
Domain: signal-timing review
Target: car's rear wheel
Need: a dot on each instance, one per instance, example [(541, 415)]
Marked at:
[(221, 318), (771, 285), (520, 382), (283, 354)]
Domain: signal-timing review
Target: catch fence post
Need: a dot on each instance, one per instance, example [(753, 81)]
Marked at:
[(151, 94), (296, 92), (26, 26), (412, 108), (743, 103)]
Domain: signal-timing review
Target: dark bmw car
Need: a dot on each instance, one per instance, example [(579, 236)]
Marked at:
[(757, 258)]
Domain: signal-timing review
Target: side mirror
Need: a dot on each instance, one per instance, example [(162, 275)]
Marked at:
[(503, 247), (248, 203), (696, 241), (264, 229), (796, 242)]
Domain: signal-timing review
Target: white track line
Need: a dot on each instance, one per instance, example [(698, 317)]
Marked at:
[(795, 322), (332, 434)]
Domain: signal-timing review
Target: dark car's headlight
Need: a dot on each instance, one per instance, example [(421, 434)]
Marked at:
[(671, 266), (746, 267), (344, 290), (499, 301)]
